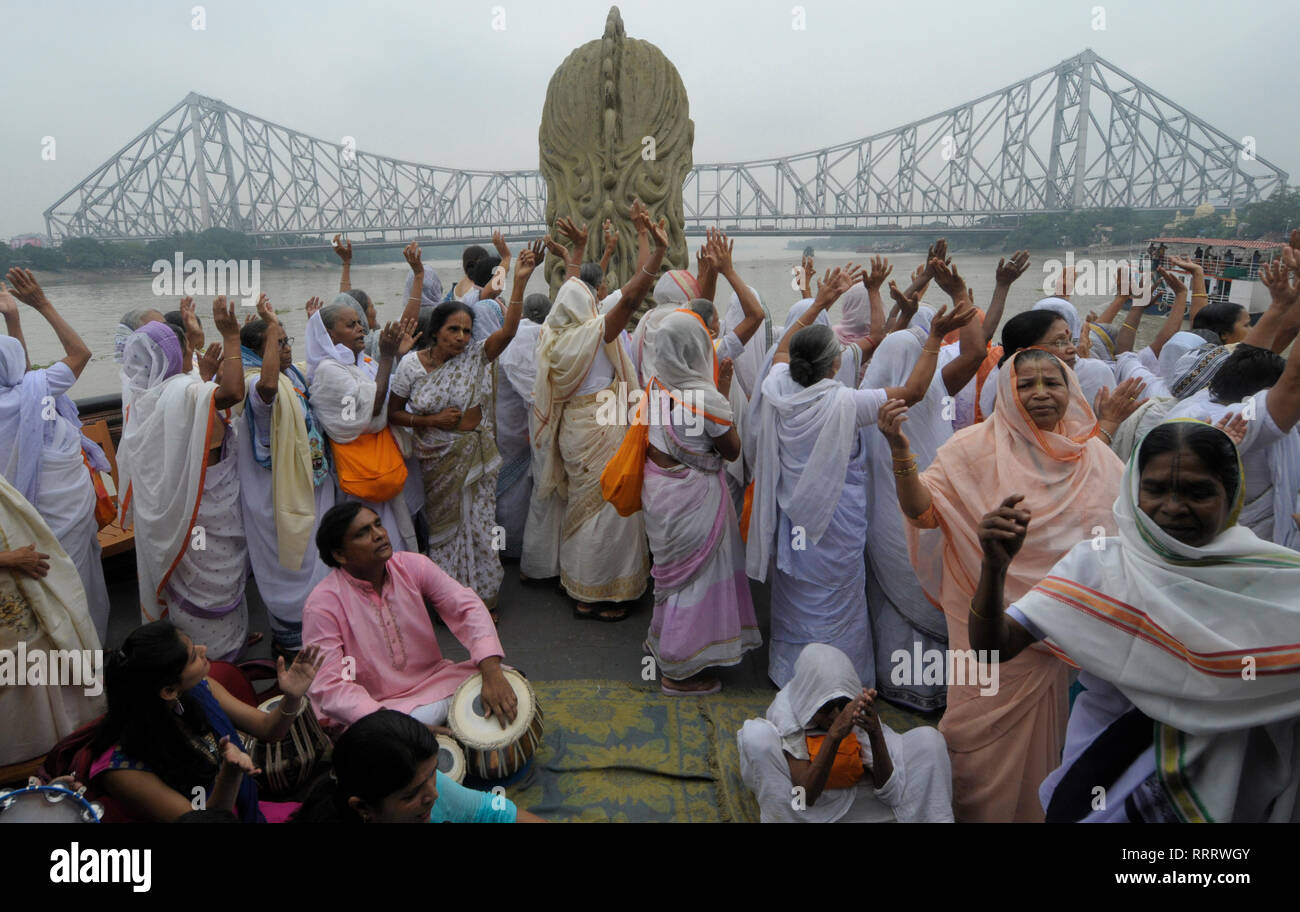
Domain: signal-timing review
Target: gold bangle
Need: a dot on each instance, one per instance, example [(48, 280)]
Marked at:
[(1199, 294), (1130, 326), (233, 358), (1102, 430), (930, 351), (976, 613), (910, 470), (910, 457)]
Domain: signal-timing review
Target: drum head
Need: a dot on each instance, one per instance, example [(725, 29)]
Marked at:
[(474, 728), (451, 759)]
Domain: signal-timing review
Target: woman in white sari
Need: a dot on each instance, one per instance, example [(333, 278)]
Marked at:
[(348, 392), (441, 392), (703, 611), (599, 555), (285, 485), (42, 450), (674, 289), (515, 383), (809, 513), (1184, 627), (178, 467), (43, 606)]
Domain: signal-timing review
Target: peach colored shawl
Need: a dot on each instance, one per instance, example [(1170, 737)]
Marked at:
[(1004, 744)]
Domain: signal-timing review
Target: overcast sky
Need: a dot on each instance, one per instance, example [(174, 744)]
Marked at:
[(434, 82)]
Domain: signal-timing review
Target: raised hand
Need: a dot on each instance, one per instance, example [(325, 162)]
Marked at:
[(659, 234), (408, 342), (390, 340), (8, 306), (295, 680), (209, 361), (1234, 425), (938, 251), (1276, 277), (342, 248), (868, 720), (1002, 532), (223, 317), (1171, 279), (640, 216), (890, 423), (528, 261), (907, 306), (313, 305), (499, 242), (574, 232), (611, 236), (1123, 401), (843, 723), (722, 252), (808, 273), (726, 370), (264, 309), (190, 322), (947, 278), (412, 255), (1010, 270), (944, 322), (880, 270), (555, 248), (834, 283), (25, 287)]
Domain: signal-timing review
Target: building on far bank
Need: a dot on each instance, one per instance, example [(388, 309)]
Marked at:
[(29, 240)]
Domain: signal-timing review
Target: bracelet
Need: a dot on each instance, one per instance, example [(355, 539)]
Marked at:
[(1130, 326), (233, 358), (976, 613), (648, 272), (520, 303), (1199, 294), (302, 704), (930, 351), (1102, 430), (910, 470), (910, 457)]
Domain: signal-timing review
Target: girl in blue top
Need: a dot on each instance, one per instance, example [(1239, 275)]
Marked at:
[(386, 771)]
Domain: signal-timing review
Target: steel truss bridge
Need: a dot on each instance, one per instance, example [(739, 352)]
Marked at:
[(1082, 134)]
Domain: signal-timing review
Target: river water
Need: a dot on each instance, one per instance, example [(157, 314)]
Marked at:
[(94, 304)]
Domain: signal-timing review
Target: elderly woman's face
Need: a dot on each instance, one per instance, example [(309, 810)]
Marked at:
[(348, 330), (1043, 391), (1183, 497), (1057, 340)]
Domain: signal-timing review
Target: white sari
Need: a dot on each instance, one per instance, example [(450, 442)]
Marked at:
[(516, 378), (43, 614), (189, 534), (600, 555)]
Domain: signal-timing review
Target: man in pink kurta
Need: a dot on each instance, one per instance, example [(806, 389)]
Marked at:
[(379, 648)]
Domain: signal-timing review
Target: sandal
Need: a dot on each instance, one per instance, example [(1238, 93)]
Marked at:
[(715, 687), (597, 614)]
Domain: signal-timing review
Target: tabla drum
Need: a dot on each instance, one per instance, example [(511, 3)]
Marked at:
[(493, 752), (451, 759), (47, 804)]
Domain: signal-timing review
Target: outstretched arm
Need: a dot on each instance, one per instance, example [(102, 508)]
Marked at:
[(647, 273), (496, 343), (344, 251), (1005, 276), (27, 290)]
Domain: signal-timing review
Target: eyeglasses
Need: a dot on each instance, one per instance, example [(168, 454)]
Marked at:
[(287, 342), (1059, 344)]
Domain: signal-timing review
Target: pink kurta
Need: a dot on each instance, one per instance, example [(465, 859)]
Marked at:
[(380, 650)]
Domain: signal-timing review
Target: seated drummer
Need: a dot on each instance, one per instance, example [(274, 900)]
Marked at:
[(368, 617), (385, 770)]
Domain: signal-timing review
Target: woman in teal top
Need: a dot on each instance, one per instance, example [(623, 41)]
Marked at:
[(385, 770)]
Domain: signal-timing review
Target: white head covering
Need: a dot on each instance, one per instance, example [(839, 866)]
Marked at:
[(1179, 344), (1067, 311), (320, 347), (855, 315), (923, 318), (819, 424), (685, 359)]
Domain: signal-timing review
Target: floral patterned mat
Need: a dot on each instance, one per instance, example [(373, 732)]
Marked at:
[(614, 751)]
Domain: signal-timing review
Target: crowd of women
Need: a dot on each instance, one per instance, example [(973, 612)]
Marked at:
[(1116, 530)]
